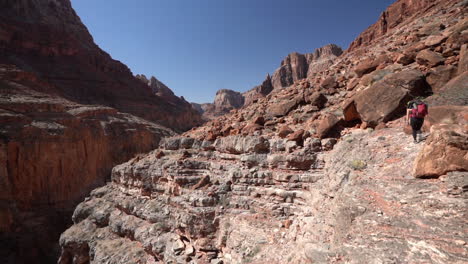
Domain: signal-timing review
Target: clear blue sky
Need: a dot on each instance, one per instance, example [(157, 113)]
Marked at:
[(197, 47)]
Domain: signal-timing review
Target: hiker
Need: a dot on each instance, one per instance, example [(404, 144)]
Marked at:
[(415, 113)]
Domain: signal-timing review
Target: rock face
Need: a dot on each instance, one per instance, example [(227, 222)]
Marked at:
[(52, 153), (48, 39), (386, 99), (396, 14), (159, 88), (298, 66), (193, 205), (225, 101), (68, 114), (446, 150), (259, 91)]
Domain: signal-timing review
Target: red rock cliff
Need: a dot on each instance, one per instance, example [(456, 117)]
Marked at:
[(396, 14), (48, 38)]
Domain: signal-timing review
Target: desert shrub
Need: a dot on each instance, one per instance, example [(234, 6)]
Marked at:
[(358, 164)]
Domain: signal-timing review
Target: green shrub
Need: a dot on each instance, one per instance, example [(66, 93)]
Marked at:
[(358, 164)]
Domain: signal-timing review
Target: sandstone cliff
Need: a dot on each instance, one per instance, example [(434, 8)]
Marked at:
[(225, 101), (48, 38), (53, 152), (397, 14), (68, 114)]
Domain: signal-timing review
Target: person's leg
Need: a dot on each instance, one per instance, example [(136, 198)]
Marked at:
[(414, 128)]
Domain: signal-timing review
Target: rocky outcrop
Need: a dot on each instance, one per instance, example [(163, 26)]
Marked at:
[(298, 66), (225, 101), (445, 150), (157, 87), (68, 114), (386, 99), (48, 39), (281, 205), (260, 91), (53, 153), (396, 14)]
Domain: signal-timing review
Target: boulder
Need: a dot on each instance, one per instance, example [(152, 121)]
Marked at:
[(259, 120), (326, 125), (429, 58), (329, 82), (284, 131), (445, 150), (455, 92), (317, 99), (297, 136), (312, 145), (387, 98), (283, 107), (328, 143), (445, 114), (434, 40), (366, 66), (463, 63), (440, 75), (242, 144), (370, 64), (406, 58)]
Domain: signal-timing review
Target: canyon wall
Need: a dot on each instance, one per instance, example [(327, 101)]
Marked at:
[(49, 39), (321, 170), (68, 114)]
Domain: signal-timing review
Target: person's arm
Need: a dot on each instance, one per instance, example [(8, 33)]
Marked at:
[(408, 112)]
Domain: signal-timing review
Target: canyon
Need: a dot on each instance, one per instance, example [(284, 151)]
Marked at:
[(314, 165)]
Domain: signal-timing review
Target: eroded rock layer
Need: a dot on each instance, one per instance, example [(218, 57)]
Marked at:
[(47, 38), (249, 199), (53, 152)]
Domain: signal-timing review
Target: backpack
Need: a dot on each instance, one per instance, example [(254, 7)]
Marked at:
[(419, 110)]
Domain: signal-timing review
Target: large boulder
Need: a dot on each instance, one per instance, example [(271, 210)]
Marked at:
[(317, 99), (242, 144), (440, 75), (445, 114), (445, 150), (387, 98), (455, 92), (370, 64), (463, 64), (284, 106), (365, 66), (429, 58), (326, 125)]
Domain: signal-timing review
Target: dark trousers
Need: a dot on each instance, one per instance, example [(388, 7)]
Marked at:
[(416, 124)]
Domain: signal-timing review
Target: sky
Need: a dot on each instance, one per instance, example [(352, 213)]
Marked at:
[(197, 47)]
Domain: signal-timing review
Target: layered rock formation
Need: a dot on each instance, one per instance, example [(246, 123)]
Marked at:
[(48, 39), (53, 152), (250, 199), (68, 114), (293, 68), (397, 14), (298, 66), (225, 101)]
